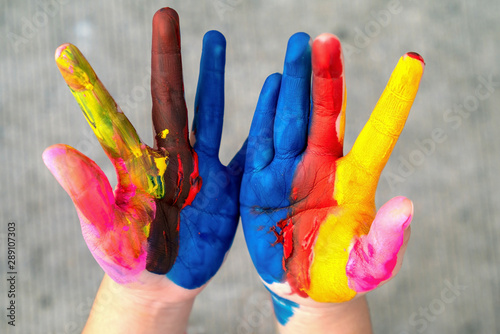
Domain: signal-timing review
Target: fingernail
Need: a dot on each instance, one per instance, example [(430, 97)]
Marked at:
[(407, 206)]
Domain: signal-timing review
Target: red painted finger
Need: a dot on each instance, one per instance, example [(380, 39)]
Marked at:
[(326, 134)]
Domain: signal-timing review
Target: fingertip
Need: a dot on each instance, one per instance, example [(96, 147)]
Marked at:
[(273, 81), (166, 32), (299, 41), (74, 68), (398, 210), (76, 173), (405, 78), (60, 49), (61, 158), (51, 154), (166, 13), (269, 93), (416, 56), (66, 55), (214, 51), (214, 37), (58, 160), (276, 76), (406, 209), (402, 201), (327, 60), (326, 37), (298, 55)]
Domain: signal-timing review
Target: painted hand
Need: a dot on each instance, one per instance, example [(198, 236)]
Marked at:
[(175, 208), (308, 211)]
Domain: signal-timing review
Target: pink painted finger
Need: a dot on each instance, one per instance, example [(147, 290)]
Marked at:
[(117, 242), (328, 96), (84, 182), (374, 257)]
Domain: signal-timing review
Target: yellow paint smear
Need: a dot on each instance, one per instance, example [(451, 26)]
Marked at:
[(164, 134)]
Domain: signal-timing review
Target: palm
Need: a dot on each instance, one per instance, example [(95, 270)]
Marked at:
[(166, 215), (308, 211), (208, 225)]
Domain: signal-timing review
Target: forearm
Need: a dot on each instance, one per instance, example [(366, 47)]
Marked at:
[(351, 317), (117, 309)]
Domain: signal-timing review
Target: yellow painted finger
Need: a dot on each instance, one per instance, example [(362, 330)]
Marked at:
[(136, 164), (111, 127), (378, 137)]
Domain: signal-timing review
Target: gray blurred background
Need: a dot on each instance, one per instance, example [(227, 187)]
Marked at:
[(446, 160)]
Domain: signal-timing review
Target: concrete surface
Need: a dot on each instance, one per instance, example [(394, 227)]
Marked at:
[(453, 182)]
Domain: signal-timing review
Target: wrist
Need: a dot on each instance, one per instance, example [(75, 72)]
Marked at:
[(140, 308), (313, 317)]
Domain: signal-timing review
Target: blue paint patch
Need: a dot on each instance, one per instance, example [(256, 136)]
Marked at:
[(207, 227), (283, 308), (258, 221)]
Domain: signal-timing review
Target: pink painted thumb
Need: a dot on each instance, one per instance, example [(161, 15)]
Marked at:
[(84, 182), (374, 256)]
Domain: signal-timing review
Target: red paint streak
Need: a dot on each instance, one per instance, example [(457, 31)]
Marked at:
[(180, 178), (195, 182), (327, 96), (279, 234), (309, 208), (310, 237), (288, 239), (284, 235)]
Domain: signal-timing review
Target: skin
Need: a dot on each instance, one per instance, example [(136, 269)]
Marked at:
[(172, 217), (308, 210)]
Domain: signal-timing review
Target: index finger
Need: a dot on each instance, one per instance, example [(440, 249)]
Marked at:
[(111, 127), (167, 88), (376, 141)]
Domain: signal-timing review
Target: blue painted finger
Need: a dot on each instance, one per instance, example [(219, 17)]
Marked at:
[(260, 150), (290, 126), (209, 102)]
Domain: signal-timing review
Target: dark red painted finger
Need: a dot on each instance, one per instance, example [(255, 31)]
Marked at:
[(167, 88)]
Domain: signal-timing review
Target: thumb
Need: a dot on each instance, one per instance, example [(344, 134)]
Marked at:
[(84, 182), (377, 256)]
